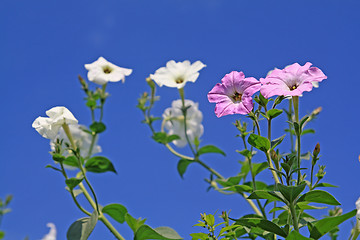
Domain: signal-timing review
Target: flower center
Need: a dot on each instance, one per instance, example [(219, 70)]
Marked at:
[(293, 87), (179, 80), (237, 97), (107, 69)]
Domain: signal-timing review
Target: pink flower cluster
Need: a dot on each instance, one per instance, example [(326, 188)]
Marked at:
[(234, 94)]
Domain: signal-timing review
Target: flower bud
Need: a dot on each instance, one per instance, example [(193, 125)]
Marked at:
[(316, 150), (150, 82)]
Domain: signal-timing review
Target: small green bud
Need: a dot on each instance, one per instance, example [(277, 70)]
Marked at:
[(316, 150), (150, 82), (321, 173)]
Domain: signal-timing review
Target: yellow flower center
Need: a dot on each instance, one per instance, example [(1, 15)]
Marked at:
[(237, 97), (179, 80)]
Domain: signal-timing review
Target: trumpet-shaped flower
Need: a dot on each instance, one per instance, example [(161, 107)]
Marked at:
[(175, 121), (293, 80), (81, 138), (48, 127), (101, 71), (177, 74), (52, 233), (233, 94)]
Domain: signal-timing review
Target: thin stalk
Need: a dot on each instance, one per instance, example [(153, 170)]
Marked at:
[(290, 127), (177, 154), (296, 110), (311, 177), (356, 230), (102, 101), (72, 192), (93, 137), (294, 218)]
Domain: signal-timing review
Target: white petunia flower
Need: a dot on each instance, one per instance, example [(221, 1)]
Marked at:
[(48, 127), (357, 203), (52, 233), (175, 121), (101, 71), (176, 74), (82, 140)]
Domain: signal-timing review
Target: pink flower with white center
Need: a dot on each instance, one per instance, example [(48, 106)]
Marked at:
[(233, 94), (293, 80)]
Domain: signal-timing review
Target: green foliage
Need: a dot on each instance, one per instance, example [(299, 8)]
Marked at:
[(294, 235), (116, 211), (290, 193), (259, 142), (182, 166), (318, 196), (73, 182), (323, 226), (99, 164), (210, 149), (133, 223), (97, 127), (145, 232), (273, 113), (264, 224), (82, 228), (2, 234), (162, 137)]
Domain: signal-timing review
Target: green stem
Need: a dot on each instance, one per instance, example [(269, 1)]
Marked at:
[(102, 101), (184, 110), (209, 168), (290, 127), (296, 110), (93, 137), (276, 178), (293, 214), (356, 230)]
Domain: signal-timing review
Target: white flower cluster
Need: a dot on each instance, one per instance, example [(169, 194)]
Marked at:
[(175, 121)]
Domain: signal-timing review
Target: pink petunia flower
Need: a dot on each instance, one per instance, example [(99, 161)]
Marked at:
[(233, 94), (293, 80)]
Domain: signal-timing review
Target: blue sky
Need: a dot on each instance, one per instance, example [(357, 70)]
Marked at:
[(44, 44)]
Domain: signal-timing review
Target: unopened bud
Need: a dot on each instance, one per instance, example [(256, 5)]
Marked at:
[(321, 173), (317, 111), (316, 150), (273, 155)]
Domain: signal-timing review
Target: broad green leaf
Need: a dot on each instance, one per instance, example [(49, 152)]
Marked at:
[(290, 193), (116, 211), (2, 234), (294, 235), (99, 164), (171, 138), (91, 103), (97, 127), (228, 228), (305, 206), (72, 161), (258, 167), (133, 223), (325, 225), (73, 182), (210, 149), (82, 228), (261, 194), (263, 224), (276, 142), (210, 219), (273, 113), (259, 142), (260, 185), (182, 166), (58, 157), (145, 232), (297, 128), (160, 137), (318, 196), (201, 236)]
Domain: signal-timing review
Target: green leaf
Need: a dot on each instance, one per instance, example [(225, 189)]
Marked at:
[(2, 234), (52, 167), (201, 236), (82, 228), (182, 166), (294, 235), (72, 161), (297, 128), (58, 157), (91, 103), (116, 211), (246, 153), (97, 127), (73, 182), (263, 224), (323, 226), (231, 181), (318, 196), (261, 194), (162, 137), (324, 185), (305, 206), (133, 223), (145, 232), (210, 149), (171, 138), (290, 193), (210, 219), (258, 167), (273, 113), (99, 164), (306, 131), (276, 142), (259, 142)]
